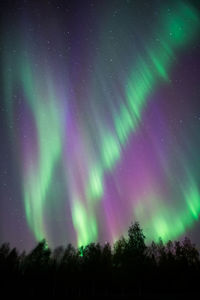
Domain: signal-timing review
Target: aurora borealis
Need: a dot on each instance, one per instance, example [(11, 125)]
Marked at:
[(101, 120)]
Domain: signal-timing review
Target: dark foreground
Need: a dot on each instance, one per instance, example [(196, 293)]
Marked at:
[(130, 270)]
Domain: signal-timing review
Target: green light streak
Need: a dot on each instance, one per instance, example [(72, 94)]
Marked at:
[(163, 221), (152, 67), (177, 30), (146, 75), (192, 198), (84, 223), (95, 191), (110, 151), (49, 133)]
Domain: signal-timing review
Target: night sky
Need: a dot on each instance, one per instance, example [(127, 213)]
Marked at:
[(99, 120)]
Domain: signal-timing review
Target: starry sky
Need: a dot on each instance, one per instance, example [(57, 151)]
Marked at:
[(99, 120)]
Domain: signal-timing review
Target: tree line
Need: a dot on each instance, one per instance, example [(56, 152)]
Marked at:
[(129, 268)]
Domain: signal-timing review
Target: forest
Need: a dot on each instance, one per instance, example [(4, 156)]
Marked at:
[(128, 269)]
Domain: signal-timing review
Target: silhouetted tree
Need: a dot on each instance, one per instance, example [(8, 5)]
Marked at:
[(58, 254), (129, 268), (189, 252), (119, 252)]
